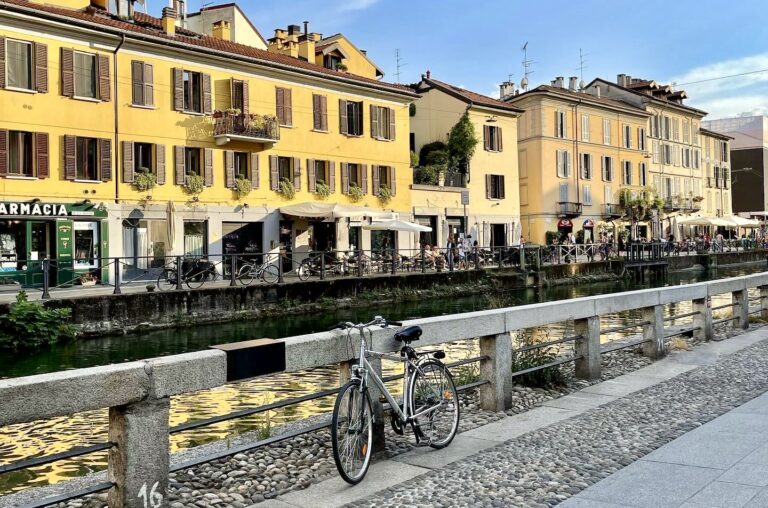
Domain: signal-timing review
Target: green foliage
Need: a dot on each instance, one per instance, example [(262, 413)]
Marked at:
[(437, 158), (144, 180), (428, 175), (580, 236), (429, 148), (550, 237), (466, 374), (385, 194), (29, 325), (544, 378), (322, 189), (243, 187), (412, 109), (287, 189), (194, 184), (640, 202), (462, 140), (355, 193), (414, 159)]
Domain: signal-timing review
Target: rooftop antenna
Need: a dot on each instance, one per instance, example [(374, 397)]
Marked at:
[(582, 66), (526, 66), (400, 64)]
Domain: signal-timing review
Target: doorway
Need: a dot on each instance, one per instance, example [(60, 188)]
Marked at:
[(498, 235)]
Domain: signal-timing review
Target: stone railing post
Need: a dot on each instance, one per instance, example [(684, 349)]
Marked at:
[(345, 373), (740, 309), (653, 331), (764, 301), (587, 347), (496, 395), (702, 320)]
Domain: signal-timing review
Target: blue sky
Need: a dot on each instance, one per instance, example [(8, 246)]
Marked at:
[(476, 44)]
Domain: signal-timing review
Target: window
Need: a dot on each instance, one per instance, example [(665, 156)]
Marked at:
[(192, 162), (655, 126), (585, 127), (564, 193), (238, 95), (285, 168), (332, 62), (20, 153), (193, 91), (665, 127), (382, 123), (142, 157), (676, 129), (586, 166), (724, 151), (87, 158), (587, 195), (492, 138), (641, 139), (563, 163), (322, 173), (495, 187), (695, 129), (241, 165), (676, 158), (142, 81), (656, 152), (18, 64), (696, 158), (627, 136), (560, 126), (351, 117), (320, 113), (85, 75), (686, 131), (606, 131), (666, 153), (607, 167), (284, 106), (195, 242), (355, 175), (668, 188), (643, 170), (627, 172)]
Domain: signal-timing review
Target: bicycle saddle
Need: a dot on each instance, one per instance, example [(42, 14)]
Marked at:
[(408, 334)]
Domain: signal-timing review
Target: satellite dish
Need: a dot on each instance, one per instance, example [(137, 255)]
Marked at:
[(524, 83)]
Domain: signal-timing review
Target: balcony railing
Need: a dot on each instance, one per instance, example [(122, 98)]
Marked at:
[(245, 127), (568, 209), (428, 176), (455, 179), (611, 211)]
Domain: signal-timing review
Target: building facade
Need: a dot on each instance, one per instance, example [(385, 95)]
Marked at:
[(158, 141), (716, 159)]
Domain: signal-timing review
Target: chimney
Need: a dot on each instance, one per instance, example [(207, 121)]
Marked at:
[(597, 91), (429, 74), (621, 80), (560, 82), (572, 83), (101, 4), (169, 20), (306, 28), (307, 45), (506, 89), (222, 30)]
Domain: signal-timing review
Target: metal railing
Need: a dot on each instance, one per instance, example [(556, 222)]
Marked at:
[(247, 125), (569, 209), (612, 210)]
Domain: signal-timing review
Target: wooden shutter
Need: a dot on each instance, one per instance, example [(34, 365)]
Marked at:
[(41, 67), (179, 163), (42, 157), (392, 181), (391, 124), (137, 82), (374, 123), (288, 106), (3, 152), (254, 170), (364, 178), (274, 175), (297, 173), (488, 185), (160, 164), (105, 92), (499, 142), (311, 175), (2, 62), (128, 176), (149, 85), (70, 161), (229, 168), (208, 167), (332, 175), (376, 181), (316, 122), (344, 178), (67, 72), (323, 113), (105, 159), (487, 137), (502, 190), (280, 111), (246, 98), (178, 95), (343, 126), (207, 96)]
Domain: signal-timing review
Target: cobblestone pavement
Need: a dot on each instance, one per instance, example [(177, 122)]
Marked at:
[(547, 466)]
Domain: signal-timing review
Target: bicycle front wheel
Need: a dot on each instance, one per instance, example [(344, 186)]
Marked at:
[(245, 275), (167, 280), (352, 432), (195, 280), (434, 397), (303, 271), (270, 274)]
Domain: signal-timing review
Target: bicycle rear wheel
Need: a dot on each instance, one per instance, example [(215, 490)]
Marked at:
[(245, 275), (195, 279), (432, 391), (270, 274), (304, 271), (352, 432), (166, 281)]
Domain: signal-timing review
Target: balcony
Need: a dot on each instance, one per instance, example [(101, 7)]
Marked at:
[(245, 127), (611, 211), (691, 205), (568, 209), (672, 204), (430, 176)]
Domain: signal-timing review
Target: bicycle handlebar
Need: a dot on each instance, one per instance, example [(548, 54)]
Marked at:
[(378, 320)]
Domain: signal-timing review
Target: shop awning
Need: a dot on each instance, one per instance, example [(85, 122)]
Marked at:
[(398, 225), (742, 222), (317, 210)]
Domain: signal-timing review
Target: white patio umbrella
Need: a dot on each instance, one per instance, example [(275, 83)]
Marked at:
[(171, 225), (742, 222), (696, 221), (675, 229), (397, 225)]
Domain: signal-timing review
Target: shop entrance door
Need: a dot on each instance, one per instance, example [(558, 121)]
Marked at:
[(42, 237)]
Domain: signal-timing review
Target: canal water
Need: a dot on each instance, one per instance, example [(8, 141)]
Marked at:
[(61, 434)]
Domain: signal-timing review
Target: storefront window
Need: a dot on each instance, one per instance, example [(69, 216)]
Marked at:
[(13, 250), (145, 243), (195, 243), (382, 242), (86, 244)]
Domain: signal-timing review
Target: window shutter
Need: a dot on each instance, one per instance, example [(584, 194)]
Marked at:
[(70, 168), (41, 154), (160, 164), (488, 185), (487, 137), (67, 72), (376, 180), (208, 167), (323, 113), (311, 176), (288, 106), (502, 190), (137, 82), (149, 85), (2, 62), (105, 158), (392, 180), (316, 122), (500, 146), (567, 156), (297, 173), (374, 121), (102, 71), (343, 126), (246, 98), (229, 168), (274, 175), (364, 178), (254, 170), (344, 178), (180, 172), (128, 176), (41, 68), (392, 124), (559, 163), (279, 99), (3, 150), (332, 175), (207, 96), (178, 92)]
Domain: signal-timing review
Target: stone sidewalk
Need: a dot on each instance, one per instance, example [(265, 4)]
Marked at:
[(552, 453)]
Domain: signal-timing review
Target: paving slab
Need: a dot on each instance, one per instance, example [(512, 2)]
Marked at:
[(759, 456), (747, 474), (726, 495), (704, 447), (462, 446), (740, 423), (580, 401), (759, 501), (275, 503), (624, 385), (514, 426), (757, 406)]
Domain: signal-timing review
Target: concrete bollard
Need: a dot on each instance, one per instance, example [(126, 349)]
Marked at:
[(740, 309), (653, 331), (138, 463), (702, 320), (587, 346), (497, 369), (764, 301), (345, 373)]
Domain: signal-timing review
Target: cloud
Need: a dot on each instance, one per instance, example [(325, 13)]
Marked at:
[(725, 107), (356, 5)]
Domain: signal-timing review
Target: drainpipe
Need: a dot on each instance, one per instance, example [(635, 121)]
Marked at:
[(117, 123)]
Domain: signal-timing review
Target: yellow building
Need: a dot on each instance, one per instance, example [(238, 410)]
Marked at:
[(577, 152), (716, 163), (161, 141), (490, 181)]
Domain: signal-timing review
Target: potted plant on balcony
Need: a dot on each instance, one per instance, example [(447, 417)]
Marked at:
[(287, 189), (384, 195), (193, 185), (88, 279), (322, 189), (243, 187), (144, 180), (355, 193), (342, 67)]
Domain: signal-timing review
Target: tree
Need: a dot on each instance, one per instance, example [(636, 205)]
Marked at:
[(462, 141)]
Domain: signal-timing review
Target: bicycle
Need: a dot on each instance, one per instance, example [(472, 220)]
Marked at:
[(194, 273), (430, 400), (251, 271)]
